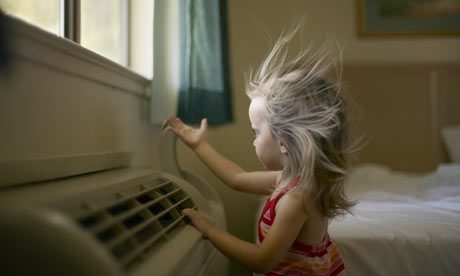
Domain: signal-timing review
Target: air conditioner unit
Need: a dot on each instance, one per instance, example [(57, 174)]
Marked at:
[(124, 221)]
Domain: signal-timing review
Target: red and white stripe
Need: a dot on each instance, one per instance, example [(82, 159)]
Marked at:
[(301, 259)]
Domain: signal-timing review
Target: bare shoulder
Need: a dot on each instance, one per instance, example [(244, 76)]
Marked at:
[(299, 209), (293, 203)]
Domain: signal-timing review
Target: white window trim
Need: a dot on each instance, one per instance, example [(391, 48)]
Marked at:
[(141, 37), (166, 60), (44, 48)]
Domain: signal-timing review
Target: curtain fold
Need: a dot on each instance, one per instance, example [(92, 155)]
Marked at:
[(205, 90)]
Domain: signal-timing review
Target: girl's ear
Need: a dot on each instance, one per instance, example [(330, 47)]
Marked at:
[(283, 148)]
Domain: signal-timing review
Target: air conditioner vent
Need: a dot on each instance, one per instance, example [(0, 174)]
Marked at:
[(130, 223)]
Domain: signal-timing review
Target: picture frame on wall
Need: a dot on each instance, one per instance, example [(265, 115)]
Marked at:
[(408, 17)]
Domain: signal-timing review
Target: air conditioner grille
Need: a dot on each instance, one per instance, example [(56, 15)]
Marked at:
[(137, 220)]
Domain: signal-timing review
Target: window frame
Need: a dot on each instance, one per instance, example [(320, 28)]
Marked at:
[(136, 47), (71, 25), (70, 20)]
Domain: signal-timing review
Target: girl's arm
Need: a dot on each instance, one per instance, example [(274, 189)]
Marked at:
[(261, 183), (231, 174), (290, 217)]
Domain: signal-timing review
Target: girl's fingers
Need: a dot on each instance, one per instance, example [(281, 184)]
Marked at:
[(166, 129), (169, 121), (164, 125), (168, 126), (188, 212), (204, 124), (178, 121), (175, 124)]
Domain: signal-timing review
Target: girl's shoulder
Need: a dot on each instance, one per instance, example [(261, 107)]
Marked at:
[(294, 199), (297, 198), (294, 196)]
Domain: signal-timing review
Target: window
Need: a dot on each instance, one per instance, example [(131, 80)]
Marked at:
[(120, 30), (104, 29), (44, 13)]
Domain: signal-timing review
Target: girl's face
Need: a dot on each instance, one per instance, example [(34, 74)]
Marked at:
[(269, 151)]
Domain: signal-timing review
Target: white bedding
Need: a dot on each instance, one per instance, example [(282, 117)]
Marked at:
[(404, 224)]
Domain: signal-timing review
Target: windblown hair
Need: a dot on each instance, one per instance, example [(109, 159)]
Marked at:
[(307, 114)]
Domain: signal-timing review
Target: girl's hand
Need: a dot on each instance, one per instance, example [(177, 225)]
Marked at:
[(192, 137), (200, 222)]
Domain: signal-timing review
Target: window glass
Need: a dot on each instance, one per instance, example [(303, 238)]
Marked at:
[(104, 28), (43, 13)]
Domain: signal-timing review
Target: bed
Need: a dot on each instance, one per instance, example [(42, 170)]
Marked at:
[(403, 224)]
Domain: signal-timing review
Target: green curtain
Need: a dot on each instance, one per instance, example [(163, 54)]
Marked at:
[(205, 85)]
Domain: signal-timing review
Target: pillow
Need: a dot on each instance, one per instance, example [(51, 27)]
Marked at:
[(451, 137)]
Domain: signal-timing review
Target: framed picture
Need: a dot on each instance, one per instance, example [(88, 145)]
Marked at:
[(408, 17)]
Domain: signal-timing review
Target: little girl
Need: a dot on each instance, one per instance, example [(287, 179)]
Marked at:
[(302, 139)]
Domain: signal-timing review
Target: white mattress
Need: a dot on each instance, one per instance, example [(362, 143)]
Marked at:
[(404, 224)]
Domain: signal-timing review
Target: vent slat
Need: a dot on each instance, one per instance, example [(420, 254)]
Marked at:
[(128, 258), (137, 228), (131, 222), (116, 219), (95, 207)]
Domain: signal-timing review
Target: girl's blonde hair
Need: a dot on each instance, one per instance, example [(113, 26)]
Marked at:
[(307, 114)]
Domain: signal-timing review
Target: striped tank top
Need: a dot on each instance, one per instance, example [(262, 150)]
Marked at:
[(301, 259)]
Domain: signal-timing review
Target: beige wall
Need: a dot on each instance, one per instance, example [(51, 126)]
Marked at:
[(250, 24), (399, 111), (248, 19)]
